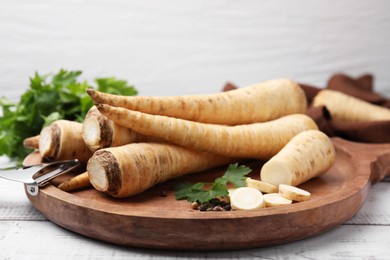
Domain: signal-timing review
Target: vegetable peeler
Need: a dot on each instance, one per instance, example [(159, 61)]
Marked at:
[(36, 176)]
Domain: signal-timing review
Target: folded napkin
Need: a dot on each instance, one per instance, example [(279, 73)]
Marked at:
[(361, 87)]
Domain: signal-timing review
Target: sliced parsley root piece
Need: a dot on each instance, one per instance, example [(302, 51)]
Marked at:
[(131, 169), (198, 192), (246, 198)]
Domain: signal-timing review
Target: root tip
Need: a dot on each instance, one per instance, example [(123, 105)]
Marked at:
[(93, 95)]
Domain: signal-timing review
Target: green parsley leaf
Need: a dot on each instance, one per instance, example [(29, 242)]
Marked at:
[(235, 174), (185, 188), (114, 86), (198, 192)]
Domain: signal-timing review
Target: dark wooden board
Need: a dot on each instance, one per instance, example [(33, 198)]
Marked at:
[(152, 221)]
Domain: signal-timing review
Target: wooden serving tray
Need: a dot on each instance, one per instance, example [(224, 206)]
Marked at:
[(153, 221)]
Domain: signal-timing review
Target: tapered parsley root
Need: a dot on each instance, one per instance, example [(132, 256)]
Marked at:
[(31, 142), (100, 132), (257, 140), (256, 103), (62, 140), (77, 182), (130, 169), (347, 108), (309, 154)]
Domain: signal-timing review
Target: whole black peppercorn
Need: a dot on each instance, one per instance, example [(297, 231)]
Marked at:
[(215, 201), (227, 207), (163, 193), (205, 206)]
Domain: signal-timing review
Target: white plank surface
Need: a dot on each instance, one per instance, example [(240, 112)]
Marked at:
[(44, 240), (175, 47)]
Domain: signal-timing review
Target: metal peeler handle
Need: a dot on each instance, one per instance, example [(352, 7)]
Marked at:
[(36, 176)]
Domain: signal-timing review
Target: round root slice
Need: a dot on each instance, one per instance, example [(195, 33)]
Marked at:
[(230, 191), (246, 198), (262, 186), (275, 199), (293, 193)]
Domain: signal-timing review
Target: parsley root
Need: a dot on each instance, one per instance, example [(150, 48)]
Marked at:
[(348, 108), (308, 155), (256, 103), (32, 142), (257, 140), (77, 182), (62, 140), (130, 169)]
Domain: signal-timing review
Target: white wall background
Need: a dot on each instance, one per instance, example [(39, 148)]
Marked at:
[(170, 47)]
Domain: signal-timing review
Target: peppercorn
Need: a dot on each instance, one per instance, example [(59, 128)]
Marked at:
[(205, 206), (195, 205), (163, 193), (215, 201), (227, 207)]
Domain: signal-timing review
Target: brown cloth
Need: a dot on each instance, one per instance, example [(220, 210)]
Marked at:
[(361, 87)]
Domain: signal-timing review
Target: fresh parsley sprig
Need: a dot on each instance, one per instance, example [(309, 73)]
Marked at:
[(49, 98), (198, 192)]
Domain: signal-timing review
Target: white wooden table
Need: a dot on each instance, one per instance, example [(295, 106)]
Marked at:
[(26, 234)]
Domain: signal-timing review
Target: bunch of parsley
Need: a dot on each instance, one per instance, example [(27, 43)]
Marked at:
[(49, 98)]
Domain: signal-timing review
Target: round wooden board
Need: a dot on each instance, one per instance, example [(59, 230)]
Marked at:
[(153, 221)]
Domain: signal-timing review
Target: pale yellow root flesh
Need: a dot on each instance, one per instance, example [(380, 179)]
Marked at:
[(258, 140), (293, 193), (261, 185), (100, 132), (275, 199), (347, 108), (92, 134), (256, 103), (309, 154), (99, 176), (246, 198), (131, 169), (47, 144)]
